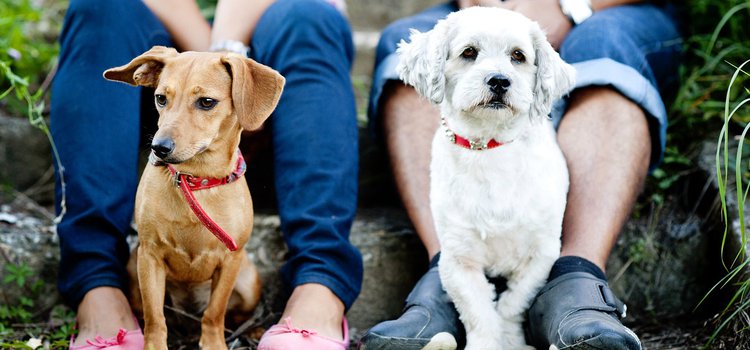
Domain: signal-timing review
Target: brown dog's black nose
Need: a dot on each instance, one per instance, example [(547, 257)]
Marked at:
[(498, 83), (162, 147)]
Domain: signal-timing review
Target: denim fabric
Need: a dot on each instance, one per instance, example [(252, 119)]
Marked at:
[(97, 128), (315, 141), (634, 49)]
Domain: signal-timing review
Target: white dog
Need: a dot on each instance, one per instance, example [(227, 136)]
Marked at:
[(498, 178)]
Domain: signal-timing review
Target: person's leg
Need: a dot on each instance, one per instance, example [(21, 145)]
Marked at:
[(314, 137), (608, 159), (409, 123), (611, 133), (96, 125)]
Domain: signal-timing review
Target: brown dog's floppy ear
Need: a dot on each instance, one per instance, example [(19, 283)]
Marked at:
[(143, 70), (256, 90)]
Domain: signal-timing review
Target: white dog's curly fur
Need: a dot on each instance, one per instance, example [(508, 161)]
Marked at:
[(497, 211)]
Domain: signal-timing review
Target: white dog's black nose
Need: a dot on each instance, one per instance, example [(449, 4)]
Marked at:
[(499, 83), (162, 147)]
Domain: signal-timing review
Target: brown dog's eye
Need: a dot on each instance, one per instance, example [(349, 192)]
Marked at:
[(205, 103), (469, 53), (161, 100), (518, 56)]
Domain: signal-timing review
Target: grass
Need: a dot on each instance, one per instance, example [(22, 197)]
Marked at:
[(715, 43), (21, 316), (737, 267), (724, 59)]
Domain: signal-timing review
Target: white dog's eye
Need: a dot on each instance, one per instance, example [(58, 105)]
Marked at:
[(470, 53), (517, 56)]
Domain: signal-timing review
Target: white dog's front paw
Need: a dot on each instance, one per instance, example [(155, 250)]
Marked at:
[(482, 342), (510, 308), (514, 343), (479, 346), (512, 336)]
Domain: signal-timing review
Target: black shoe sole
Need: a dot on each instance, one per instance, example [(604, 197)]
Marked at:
[(602, 342), (441, 341)]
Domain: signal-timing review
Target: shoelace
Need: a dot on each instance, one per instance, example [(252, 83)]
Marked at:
[(103, 343), (304, 332)]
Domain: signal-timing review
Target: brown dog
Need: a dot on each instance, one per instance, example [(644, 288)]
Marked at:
[(204, 100)]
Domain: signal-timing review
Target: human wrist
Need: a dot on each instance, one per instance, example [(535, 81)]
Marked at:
[(229, 45)]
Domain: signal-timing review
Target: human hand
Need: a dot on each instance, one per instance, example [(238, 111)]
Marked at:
[(235, 21), (547, 13)]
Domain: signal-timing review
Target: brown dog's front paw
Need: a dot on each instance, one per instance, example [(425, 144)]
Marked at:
[(212, 342), (155, 343)]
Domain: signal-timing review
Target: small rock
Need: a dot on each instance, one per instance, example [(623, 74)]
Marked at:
[(8, 218)]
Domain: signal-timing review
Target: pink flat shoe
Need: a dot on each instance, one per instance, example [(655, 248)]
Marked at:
[(124, 340), (286, 337)]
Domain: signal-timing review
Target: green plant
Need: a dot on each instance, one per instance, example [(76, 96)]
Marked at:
[(35, 106), (208, 7), (20, 315), (25, 48), (716, 42), (713, 95), (739, 301), (736, 268), (25, 57), (27, 53)]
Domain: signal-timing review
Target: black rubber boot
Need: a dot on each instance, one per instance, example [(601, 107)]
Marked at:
[(579, 311), (429, 320)]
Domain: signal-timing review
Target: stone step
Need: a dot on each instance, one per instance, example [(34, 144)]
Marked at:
[(25, 158), (368, 18), (392, 255), (663, 264), (365, 43), (374, 15)]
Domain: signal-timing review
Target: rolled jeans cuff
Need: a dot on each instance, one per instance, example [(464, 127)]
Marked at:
[(631, 84)]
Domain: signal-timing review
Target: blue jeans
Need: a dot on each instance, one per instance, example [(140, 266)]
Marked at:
[(634, 49), (97, 127)]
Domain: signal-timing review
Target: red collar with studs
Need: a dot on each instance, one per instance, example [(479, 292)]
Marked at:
[(189, 183), (475, 144)]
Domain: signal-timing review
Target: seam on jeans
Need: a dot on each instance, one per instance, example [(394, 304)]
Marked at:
[(666, 46)]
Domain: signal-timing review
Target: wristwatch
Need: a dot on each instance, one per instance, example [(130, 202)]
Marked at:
[(230, 45), (576, 10)]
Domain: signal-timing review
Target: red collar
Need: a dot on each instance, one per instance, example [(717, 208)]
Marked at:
[(475, 144), (196, 183), (189, 183)]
